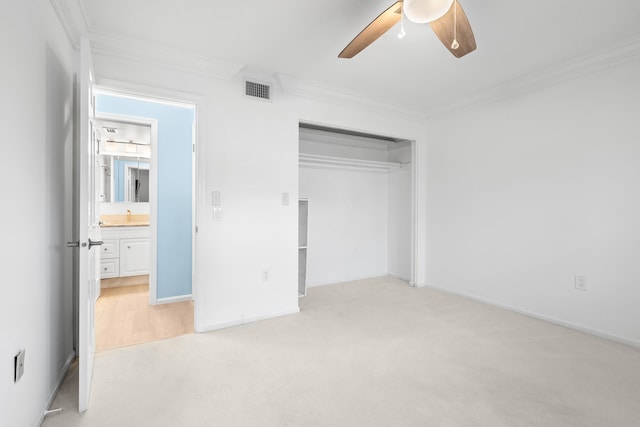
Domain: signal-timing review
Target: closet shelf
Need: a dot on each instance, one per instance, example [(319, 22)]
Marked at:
[(344, 162)]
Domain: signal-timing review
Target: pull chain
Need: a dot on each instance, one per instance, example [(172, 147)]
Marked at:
[(402, 33), (455, 45)]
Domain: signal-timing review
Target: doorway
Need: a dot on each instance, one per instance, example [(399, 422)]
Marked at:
[(147, 215)]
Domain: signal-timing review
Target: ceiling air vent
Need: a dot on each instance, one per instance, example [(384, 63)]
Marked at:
[(257, 90)]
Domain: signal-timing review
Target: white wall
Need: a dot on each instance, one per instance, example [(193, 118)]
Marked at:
[(399, 224), (526, 192), (36, 108), (248, 150), (347, 231), (399, 208)]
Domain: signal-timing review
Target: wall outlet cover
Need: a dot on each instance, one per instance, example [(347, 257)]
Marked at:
[(18, 366), (217, 214), (580, 282)]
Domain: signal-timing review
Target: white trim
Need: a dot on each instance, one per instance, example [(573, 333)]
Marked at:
[(243, 320), (418, 214), (601, 59), (194, 207), (349, 280), (61, 376), (153, 215), (171, 300), (315, 160), (73, 19), (538, 316), (120, 93), (172, 97), (403, 279), (318, 91), (116, 46), (336, 138)]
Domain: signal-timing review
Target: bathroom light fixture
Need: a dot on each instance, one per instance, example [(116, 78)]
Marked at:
[(423, 11)]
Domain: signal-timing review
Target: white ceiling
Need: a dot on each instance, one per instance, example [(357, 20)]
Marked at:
[(302, 38)]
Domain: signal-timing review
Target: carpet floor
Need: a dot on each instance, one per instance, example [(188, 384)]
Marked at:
[(367, 353)]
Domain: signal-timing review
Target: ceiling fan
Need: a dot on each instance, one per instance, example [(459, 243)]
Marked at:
[(446, 18)]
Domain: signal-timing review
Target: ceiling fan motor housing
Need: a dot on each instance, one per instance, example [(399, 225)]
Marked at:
[(423, 11)]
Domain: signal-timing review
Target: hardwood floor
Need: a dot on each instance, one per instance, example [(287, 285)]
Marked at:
[(124, 317), (116, 282)]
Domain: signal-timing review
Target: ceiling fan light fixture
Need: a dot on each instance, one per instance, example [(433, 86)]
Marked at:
[(423, 11)]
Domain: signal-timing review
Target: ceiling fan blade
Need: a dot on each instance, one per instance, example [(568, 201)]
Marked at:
[(373, 31), (443, 27)]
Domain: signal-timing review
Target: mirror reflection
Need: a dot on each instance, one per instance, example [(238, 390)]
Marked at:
[(124, 150), (124, 179)]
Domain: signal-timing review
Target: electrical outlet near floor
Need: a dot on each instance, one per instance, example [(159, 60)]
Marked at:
[(580, 282), (266, 275), (18, 366)]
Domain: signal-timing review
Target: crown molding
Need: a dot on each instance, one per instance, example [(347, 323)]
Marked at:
[(113, 46), (73, 19), (597, 60), (76, 24), (317, 91)]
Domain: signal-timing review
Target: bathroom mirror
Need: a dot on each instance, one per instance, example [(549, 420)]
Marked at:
[(124, 151), (124, 179)]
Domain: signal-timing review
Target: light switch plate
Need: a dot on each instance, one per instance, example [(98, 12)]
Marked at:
[(215, 198), (285, 199)]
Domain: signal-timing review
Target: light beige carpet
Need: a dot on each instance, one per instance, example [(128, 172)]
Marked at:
[(368, 353)]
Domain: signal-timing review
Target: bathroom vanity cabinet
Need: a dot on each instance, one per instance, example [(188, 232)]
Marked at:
[(125, 252)]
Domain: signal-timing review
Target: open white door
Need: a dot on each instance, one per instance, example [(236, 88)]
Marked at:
[(89, 234)]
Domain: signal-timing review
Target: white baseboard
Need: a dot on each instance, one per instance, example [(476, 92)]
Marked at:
[(61, 376), (180, 298), (395, 276), (538, 316), (348, 279), (243, 320)]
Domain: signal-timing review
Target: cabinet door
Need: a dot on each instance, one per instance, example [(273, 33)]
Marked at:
[(134, 257)]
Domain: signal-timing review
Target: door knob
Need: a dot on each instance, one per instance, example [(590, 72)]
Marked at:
[(92, 243), (95, 243)]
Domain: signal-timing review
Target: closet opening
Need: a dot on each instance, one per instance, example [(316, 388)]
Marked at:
[(356, 203)]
